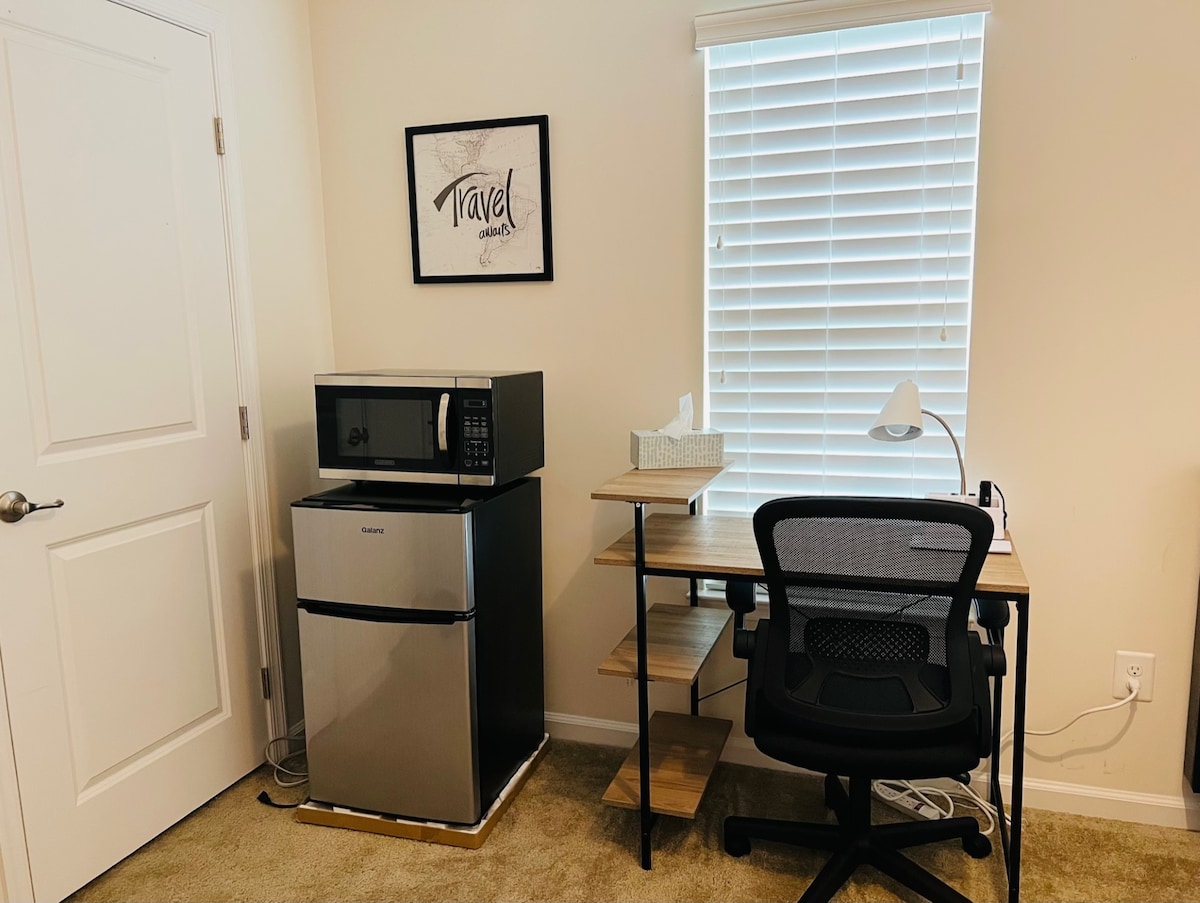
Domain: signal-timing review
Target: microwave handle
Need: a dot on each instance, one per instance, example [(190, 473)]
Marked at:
[(443, 410)]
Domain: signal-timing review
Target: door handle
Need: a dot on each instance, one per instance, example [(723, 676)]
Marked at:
[(14, 506)]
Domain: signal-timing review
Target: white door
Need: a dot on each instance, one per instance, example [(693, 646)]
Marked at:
[(128, 628)]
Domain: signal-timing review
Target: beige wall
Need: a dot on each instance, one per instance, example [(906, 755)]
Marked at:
[(1084, 366), (280, 167), (1084, 370)]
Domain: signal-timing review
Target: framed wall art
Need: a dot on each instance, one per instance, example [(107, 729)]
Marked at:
[(479, 200)]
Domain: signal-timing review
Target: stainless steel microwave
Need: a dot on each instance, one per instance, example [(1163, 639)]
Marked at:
[(481, 428)]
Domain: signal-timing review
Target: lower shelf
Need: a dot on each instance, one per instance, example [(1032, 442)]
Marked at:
[(684, 750)]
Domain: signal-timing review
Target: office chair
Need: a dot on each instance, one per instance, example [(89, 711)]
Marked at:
[(866, 669)]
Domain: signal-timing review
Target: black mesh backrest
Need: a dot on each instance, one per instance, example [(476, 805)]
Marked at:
[(869, 602)]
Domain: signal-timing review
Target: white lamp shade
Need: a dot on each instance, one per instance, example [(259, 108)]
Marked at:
[(900, 418)]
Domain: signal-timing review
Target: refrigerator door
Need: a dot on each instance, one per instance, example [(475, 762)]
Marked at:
[(389, 713), (391, 559)]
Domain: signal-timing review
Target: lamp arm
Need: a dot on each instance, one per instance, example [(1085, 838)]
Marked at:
[(962, 470)]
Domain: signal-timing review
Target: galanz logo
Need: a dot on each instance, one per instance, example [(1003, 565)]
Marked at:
[(372, 529)]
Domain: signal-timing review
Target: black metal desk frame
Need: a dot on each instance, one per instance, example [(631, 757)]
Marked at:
[(641, 573)]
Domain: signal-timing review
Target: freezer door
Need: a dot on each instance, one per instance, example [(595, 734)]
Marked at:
[(389, 715), (393, 559)]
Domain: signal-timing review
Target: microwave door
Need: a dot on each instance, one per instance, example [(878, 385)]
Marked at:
[(393, 433), (408, 433)]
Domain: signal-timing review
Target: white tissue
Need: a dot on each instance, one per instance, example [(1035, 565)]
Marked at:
[(682, 422)]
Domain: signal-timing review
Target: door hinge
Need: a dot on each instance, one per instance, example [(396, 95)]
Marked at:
[(244, 418), (266, 682), (219, 134)]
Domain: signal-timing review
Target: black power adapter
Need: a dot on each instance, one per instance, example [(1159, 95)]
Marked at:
[(985, 493)]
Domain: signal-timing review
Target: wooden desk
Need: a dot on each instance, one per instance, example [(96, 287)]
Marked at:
[(723, 548)]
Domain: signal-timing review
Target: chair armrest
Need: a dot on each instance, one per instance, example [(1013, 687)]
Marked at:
[(992, 614), (755, 671), (739, 596)]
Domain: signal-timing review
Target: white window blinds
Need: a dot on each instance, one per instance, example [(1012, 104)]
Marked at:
[(841, 211)]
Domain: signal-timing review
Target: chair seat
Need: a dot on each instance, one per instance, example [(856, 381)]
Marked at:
[(951, 756), (881, 753)]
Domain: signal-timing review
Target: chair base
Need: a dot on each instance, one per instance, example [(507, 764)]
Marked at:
[(854, 841)]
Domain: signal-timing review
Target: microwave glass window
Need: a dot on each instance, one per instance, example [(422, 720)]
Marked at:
[(352, 431), (393, 428)]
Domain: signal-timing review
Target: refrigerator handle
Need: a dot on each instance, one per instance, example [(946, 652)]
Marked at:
[(443, 409), (382, 615)]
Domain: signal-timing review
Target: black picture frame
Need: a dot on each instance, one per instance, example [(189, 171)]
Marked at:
[(479, 200)]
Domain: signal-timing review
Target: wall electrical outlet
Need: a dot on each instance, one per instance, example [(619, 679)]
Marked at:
[(1133, 664)]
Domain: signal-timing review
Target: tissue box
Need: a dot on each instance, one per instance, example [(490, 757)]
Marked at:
[(652, 449)]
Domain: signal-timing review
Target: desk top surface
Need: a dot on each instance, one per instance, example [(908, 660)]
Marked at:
[(699, 545), (712, 544), (720, 545)]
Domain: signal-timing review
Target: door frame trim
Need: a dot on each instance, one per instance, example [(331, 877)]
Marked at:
[(16, 880)]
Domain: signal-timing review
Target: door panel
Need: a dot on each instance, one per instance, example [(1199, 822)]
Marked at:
[(128, 624), (59, 93), (126, 658)]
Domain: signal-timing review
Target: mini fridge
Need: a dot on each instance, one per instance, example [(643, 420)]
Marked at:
[(420, 613)]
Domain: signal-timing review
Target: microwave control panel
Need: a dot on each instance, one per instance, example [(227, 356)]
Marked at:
[(475, 425)]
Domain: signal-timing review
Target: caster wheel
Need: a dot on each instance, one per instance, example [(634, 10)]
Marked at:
[(977, 846), (736, 845)]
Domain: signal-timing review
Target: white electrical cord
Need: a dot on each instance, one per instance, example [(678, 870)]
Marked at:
[(969, 795), (280, 766), (1132, 684)]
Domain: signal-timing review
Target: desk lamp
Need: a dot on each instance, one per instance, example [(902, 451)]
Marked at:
[(900, 420)]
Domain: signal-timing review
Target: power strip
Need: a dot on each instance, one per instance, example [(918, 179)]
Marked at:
[(909, 805)]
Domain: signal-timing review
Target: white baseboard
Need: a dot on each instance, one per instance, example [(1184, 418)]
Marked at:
[(590, 730), (1165, 810), (1182, 811)]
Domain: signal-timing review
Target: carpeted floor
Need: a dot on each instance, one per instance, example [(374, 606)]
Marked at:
[(558, 842)]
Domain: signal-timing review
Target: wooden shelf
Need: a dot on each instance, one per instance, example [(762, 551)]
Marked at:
[(684, 750), (678, 641), (692, 545), (672, 486)]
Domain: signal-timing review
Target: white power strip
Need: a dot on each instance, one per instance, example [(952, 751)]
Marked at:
[(909, 805)]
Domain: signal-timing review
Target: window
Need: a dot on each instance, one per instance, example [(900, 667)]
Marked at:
[(840, 230)]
